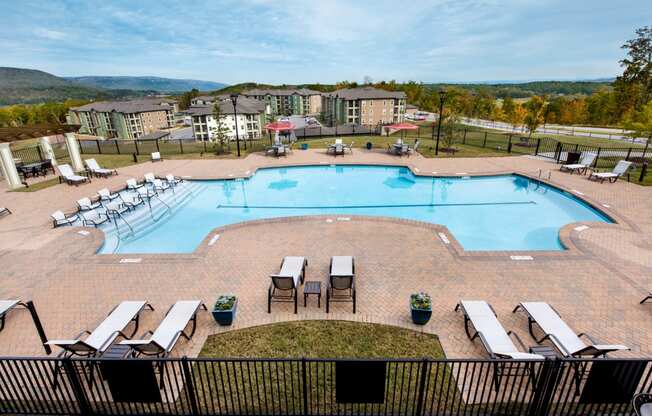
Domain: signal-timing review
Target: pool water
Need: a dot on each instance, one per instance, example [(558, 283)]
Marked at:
[(507, 212)]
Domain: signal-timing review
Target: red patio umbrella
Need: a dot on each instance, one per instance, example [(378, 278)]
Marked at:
[(401, 127), (278, 126)]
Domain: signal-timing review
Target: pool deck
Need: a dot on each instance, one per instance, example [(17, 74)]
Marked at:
[(596, 285)]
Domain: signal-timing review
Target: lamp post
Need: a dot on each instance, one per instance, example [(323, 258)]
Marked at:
[(442, 98), (234, 101)]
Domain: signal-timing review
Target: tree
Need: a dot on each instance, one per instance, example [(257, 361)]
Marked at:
[(509, 107), (640, 122), (638, 64), (518, 115), (534, 113), (186, 98), (219, 136)]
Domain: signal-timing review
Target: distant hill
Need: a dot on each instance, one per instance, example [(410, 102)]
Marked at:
[(528, 89), (30, 86), (164, 85)]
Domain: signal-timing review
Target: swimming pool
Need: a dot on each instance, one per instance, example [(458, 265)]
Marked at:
[(508, 212)]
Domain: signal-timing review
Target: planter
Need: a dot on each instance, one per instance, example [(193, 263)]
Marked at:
[(369, 145), (225, 317), (420, 316), (304, 146)]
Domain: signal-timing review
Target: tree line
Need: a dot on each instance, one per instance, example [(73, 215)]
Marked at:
[(20, 115)]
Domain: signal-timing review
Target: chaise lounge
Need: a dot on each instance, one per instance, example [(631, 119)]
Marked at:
[(95, 169), (341, 284), (85, 204), (70, 177), (4, 211), (285, 284), (59, 218), (564, 339), (619, 170), (586, 161)]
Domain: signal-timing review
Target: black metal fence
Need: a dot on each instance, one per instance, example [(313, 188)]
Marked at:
[(35, 154), (321, 386)]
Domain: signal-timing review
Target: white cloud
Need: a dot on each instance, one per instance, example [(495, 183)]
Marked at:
[(49, 34)]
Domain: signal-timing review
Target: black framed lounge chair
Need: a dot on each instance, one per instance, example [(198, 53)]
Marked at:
[(115, 209), (4, 211), (156, 157), (95, 169), (619, 170), (85, 204), (131, 199), (341, 284), (94, 218), (645, 299), (585, 163), (132, 184), (70, 177), (642, 404), (172, 180), (155, 183), (412, 150), (104, 195), (111, 328), (162, 341), (59, 218), (564, 339), (285, 284)]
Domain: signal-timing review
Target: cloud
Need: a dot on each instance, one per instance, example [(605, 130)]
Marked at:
[(49, 34)]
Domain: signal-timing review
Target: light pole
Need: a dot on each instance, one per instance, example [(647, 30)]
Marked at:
[(442, 98), (234, 101)]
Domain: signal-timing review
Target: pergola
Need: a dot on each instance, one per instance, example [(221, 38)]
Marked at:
[(278, 126), (13, 134)]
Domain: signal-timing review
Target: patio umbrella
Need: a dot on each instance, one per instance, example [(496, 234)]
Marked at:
[(277, 127), (401, 127)]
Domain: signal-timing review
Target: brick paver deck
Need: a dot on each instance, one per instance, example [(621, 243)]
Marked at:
[(596, 285)]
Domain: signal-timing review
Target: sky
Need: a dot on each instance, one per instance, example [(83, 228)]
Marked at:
[(308, 41)]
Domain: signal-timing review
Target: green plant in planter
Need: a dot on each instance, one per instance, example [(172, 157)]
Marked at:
[(420, 308), (224, 303), (224, 309)]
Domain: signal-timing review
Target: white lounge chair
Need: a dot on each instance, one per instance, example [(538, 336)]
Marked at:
[(94, 218), (97, 170), (149, 177), (288, 279), (619, 170), (133, 184), (163, 340), (116, 208), (412, 150), (4, 211), (5, 307), (113, 326), (156, 157), (586, 161), (341, 283), (105, 195), (85, 204), (71, 177), (495, 340), (59, 218), (131, 199), (560, 334), (172, 180)]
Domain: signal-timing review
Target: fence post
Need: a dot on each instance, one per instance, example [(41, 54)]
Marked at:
[(204, 142), (545, 387), (77, 390), (190, 386), (136, 144), (558, 152), (647, 143), (536, 151), (158, 149), (509, 144), (629, 153), (181, 145), (117, 145), (422, 386), (484, 143), (641, 178), (304, 382), (464, 137), (597, 157)]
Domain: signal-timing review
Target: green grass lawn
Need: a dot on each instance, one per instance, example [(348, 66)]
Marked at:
[(323, 339)]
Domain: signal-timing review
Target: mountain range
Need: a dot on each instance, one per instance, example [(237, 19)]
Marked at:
[(162, 85)]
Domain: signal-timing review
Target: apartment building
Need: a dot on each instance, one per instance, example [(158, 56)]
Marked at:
[(301, 101), (250, 114), (124, 119), (366, 105)]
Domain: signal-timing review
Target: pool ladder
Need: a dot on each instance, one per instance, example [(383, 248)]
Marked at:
[(115, 215)]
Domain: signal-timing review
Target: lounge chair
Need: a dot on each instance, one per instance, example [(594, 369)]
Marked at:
[(156, 157), (4, 211), (172, 180), (113, 326), (162, 341), (70, 177), (131, 200), (341, 284), (104, 195), (645, 299), (156, 183), (94, 218), (560, 334), (116, 208), (349, 147), (495, 340), (133, 184), (59, 218), (619, 170), (85, 204), (642, 404), (284, 286), (412, 150), (5, 307), (585, 163), (96, 170)]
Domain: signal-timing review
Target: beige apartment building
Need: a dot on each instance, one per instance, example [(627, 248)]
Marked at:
[(366, 106)]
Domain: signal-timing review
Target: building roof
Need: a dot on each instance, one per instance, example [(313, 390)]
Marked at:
[(205, 97), (244, 106), (155, 135), (284, 92), (365, 93), (133, 106), (411, 107)]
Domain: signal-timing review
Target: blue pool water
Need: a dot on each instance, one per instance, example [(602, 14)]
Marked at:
[(507, 212)]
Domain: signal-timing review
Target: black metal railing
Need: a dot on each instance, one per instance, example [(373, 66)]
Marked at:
[(28, 155), (321, 386)]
